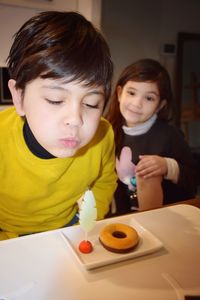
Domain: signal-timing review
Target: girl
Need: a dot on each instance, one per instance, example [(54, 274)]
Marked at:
[(160, 159)]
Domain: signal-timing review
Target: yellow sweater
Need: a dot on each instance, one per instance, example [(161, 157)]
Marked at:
[(41, 194)]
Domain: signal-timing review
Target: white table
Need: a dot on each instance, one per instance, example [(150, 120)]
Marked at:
[(41, 267)]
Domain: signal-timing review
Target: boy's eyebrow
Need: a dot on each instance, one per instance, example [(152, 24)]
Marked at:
[(58, 87)]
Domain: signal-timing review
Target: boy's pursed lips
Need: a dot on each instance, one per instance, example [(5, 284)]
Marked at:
[(69, 142)]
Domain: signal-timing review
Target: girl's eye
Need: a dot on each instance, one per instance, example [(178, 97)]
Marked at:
[(131, 93), (149, 98)]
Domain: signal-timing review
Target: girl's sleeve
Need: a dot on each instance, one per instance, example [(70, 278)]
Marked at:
[(183, 155)]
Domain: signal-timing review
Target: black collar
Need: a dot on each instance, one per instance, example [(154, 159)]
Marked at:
[(33, 144)]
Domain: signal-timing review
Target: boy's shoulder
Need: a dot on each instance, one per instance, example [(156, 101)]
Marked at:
[(104, 133), (105, 126), (8, 117), (105, 122), (5, 113)]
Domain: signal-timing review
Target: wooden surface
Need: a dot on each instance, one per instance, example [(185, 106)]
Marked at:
[(194, 202)]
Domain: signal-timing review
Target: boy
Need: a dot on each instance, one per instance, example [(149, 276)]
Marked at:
[(56, 145)]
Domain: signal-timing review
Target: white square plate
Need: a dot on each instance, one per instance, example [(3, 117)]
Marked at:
[(100, 256)]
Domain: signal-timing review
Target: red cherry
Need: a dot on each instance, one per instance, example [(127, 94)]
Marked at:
[(85, 247)]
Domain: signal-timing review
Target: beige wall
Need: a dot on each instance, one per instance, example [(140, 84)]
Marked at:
[(137, 29), (13, 13)]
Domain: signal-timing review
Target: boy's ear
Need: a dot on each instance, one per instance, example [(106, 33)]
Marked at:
[(16, 97), (161, 105)]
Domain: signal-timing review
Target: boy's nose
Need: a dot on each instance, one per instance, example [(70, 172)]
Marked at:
[(74, 118)]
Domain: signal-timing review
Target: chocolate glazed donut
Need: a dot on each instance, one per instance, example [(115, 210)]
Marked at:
[(119, 238)]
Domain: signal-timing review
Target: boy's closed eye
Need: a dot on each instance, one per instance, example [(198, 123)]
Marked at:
[(95, 106), (54, 102), (87, 105)]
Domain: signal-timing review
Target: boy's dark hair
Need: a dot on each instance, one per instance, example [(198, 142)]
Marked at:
[(60, 45), (143, 70)]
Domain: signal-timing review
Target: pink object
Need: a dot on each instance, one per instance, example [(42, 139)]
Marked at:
[(125, 168)]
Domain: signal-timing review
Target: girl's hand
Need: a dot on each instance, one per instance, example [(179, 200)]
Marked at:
[(151, 165)]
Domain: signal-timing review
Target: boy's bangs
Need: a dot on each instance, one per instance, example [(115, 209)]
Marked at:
[(91, 76), (88, 71), (69, 48)]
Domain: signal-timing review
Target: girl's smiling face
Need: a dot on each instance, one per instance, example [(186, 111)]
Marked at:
[(62, 116), (138, 101)]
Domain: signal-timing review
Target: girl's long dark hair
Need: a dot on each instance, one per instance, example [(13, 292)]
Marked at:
[(141, 71)]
